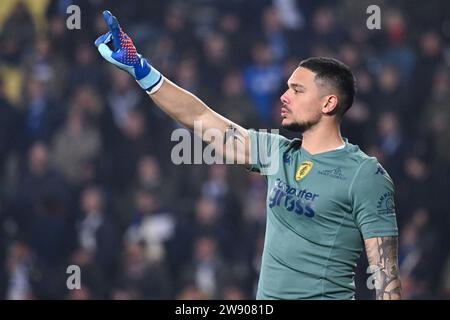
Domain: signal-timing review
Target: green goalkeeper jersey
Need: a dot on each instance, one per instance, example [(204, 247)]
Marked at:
[(319, 209)]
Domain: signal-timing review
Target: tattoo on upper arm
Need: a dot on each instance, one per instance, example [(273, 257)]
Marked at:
[(234, 144), (382, 255), (233, 133)]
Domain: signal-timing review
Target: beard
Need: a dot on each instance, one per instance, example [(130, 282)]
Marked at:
[(301, 126)]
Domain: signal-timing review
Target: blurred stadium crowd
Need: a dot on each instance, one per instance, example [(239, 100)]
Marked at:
[(86, 176)]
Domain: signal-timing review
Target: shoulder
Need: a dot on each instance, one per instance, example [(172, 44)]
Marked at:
[(366, 167), (360, 159)]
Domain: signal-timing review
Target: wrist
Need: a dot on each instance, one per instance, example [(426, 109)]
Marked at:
[(152, 81), (148, 78)]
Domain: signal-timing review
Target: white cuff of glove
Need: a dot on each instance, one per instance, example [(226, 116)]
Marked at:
[(156, 87), (151, 82)]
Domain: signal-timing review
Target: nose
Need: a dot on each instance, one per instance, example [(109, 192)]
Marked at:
[(284, 99)]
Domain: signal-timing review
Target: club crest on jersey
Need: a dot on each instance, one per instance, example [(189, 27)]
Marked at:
[(303, 170)]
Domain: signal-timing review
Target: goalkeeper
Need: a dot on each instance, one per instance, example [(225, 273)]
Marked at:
[(326, 198)]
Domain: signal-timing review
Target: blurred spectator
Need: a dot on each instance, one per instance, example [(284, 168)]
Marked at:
[(391, 96), (45, 220), (203, 16), (272, 28), (122, 98), (430, 56), (94, 280), (290, 14), (360, 121), (181, 223), (187, 76), (74, 146), (97, 231), (396, 50), (350, 55), (392, 143), (166, 57), (12, 79), (87, 99), (234, 102), (416, 247), (17, 35), (150, 224), (413, 191), (437, 117), (148, 174), (57, 34), (40, 188), (177, 27), (19, 269), (231, 26), (47, 67), (205, 220), (43, 115), (263, 78), (324, 29), (81, 73), (216, 187), (10, 130), (216, 62), (141, 278), (126, 147), (208, 217), (206, 270), (148, 177)]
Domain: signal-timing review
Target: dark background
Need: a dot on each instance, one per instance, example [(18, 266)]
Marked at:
[(85, 171)]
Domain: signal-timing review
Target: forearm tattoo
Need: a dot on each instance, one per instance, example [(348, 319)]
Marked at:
[(233, 133), (382, 254)]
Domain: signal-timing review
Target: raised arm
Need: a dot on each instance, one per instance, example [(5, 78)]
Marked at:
[(382, 254), (227, 138), (230, 139)]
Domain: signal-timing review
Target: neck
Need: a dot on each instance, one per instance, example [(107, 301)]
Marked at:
[(322, 137)]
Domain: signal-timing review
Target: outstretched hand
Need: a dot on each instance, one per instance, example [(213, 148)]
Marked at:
[(125, 55)]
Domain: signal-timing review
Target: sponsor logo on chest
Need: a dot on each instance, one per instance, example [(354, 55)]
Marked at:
[(335, 173), (299, 201)]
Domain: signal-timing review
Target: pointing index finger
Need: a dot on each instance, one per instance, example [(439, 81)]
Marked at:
[(114, 27)]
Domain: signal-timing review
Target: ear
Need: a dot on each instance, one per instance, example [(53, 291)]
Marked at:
[(330, 105)]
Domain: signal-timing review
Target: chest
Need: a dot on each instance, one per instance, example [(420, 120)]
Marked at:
[(311, 189)]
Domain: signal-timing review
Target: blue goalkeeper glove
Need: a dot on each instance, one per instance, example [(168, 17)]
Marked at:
[(126, 57)]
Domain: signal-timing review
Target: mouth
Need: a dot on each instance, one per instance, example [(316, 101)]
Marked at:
[(284, 112)]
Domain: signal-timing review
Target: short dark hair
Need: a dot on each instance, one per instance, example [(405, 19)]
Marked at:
[(337, 75)]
